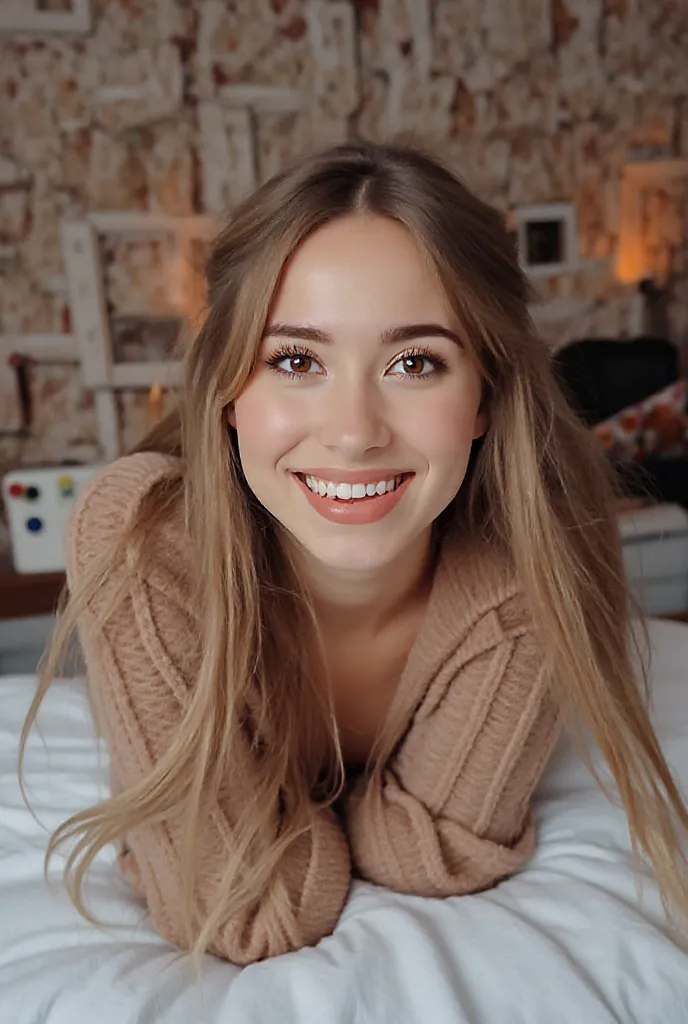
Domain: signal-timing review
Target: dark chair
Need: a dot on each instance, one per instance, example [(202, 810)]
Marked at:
[(602, 376)]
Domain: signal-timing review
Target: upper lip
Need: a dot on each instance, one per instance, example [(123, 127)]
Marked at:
[(352, 476)]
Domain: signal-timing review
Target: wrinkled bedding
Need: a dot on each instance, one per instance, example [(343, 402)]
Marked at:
[(567, 941)]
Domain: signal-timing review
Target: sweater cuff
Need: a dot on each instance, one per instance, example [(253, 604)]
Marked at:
[(396, 842), (324, 888)]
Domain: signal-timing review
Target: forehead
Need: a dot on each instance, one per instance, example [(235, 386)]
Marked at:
[(360, 268)]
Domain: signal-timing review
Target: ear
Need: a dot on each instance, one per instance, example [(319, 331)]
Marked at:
[(482, 421)]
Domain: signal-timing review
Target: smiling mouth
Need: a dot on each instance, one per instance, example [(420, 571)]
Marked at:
[(352, 493)]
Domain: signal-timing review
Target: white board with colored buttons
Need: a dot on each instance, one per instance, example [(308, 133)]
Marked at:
[(38, 503)]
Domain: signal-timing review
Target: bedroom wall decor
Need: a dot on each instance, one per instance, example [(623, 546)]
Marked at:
[(547, 238), (653, 204), (100, 371), (178, 107), (34, 16)]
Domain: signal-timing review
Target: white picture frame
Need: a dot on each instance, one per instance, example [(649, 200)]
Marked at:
[(227, 139), (85, 284), (564, 214), (56, 349), (25, 16), (227, 154), (43, 348)]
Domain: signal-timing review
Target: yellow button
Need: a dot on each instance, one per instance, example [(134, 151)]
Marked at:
[(66, 486)]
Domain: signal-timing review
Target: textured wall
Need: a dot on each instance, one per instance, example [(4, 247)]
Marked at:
[(182, 105)]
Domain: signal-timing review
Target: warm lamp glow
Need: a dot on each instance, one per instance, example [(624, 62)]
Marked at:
[(631, 263), (154, 411)]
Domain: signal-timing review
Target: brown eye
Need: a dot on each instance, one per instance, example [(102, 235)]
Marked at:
[(413, 364), (294, 364), (299, 364), (418, 364)]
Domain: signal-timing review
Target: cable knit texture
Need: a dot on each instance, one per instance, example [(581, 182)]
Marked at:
[(450, 812)]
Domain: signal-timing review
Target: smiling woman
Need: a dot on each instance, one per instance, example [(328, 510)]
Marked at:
[(384, 393), (336, 607)]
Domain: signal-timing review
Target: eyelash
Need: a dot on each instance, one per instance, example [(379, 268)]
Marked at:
[(287, 351)]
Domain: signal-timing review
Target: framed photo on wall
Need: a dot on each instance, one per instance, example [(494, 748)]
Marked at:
[(45, 16)]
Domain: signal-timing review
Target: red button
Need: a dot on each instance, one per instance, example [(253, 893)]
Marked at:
[(16, 491)]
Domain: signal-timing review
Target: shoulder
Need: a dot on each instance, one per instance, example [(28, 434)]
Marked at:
[(108, 504), (130, 584)]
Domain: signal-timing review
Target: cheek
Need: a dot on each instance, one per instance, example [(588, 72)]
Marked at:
[(266, 426), (447, 427)]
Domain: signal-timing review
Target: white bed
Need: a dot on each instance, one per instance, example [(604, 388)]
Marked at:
[(565, 942)]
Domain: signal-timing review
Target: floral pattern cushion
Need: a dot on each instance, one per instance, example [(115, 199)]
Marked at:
[(657, 426)]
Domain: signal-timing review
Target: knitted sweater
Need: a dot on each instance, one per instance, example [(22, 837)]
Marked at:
[(473, 712)]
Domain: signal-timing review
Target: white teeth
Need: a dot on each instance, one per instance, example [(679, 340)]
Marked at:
[(350, 492)]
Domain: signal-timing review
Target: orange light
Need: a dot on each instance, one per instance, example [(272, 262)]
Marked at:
[(154, 411), (631, 261)]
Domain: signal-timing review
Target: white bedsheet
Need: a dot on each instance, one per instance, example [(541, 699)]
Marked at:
[(565, 942)]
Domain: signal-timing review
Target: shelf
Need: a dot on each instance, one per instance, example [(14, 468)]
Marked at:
[(25, 595)]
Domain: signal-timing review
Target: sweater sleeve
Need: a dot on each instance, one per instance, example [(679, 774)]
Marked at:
[(140, 667), (450, 812)]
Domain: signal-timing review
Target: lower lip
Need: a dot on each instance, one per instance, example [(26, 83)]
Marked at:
[(357, 511)]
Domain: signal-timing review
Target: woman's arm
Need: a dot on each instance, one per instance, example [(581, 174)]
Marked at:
[(140, 668), (450, 813)]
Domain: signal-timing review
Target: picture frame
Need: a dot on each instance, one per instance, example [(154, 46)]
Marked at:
[(26, 16), (227, 139), (81, 247), (547, 238)]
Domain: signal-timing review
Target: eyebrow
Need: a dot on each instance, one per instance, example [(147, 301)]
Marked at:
[(392, 336)]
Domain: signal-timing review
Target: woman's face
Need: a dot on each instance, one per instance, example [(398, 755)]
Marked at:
[(355, 429)]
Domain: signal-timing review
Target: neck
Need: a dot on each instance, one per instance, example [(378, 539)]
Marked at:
[(367, 601)]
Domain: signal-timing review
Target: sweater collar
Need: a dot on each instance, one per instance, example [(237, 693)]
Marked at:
[(471, 578)]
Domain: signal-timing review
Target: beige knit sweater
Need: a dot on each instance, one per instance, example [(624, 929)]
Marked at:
[(475, 719)]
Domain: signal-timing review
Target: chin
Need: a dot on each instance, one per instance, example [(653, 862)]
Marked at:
[(354, 553)]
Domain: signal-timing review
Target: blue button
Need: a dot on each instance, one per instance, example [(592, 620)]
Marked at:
[(34, 525)]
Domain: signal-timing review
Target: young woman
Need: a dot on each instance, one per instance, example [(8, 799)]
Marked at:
[(335, 609)]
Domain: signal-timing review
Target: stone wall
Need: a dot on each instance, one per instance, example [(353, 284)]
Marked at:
[(181, 106)]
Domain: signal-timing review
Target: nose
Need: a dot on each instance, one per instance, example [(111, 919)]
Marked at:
[(354, 420)]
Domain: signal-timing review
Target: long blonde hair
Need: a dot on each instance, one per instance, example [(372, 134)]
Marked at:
[(537, 487)]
